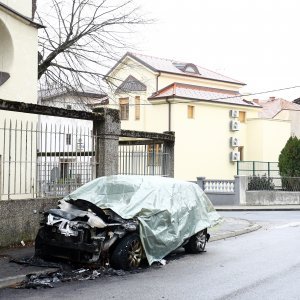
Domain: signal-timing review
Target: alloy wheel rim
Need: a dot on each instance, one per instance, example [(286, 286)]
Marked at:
[(201, 240), (135, 254)]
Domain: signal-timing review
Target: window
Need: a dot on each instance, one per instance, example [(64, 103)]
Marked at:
[(242, 116), (190, 111), (241, 150), (155, 155), (124, 108), (137, 107), (68, 138)]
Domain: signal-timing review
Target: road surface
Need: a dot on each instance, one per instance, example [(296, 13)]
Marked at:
[(264, 264)]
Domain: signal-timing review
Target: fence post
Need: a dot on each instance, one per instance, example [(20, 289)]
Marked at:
[(107, 134), (240, 188), (169, 150), (200, 182)]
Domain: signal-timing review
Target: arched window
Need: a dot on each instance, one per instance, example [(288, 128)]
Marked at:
[(6, 53)]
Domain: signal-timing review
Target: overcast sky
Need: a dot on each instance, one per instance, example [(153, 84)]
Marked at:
[(254, 41)]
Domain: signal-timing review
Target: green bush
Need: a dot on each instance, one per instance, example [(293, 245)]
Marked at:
[(289, 164), (257, 183)]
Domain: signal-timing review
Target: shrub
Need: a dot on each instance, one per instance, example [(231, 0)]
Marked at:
[(257, 183), (289, 164)]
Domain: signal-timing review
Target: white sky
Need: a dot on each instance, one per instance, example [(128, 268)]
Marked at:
[(254, 41)]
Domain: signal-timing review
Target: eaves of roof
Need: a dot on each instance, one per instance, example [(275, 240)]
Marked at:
[(201, 100), (20, 16)]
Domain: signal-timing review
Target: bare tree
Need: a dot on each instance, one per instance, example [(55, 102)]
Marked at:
[(81, 39)]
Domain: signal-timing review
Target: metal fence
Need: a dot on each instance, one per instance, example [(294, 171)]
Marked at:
[(40, 160), (50, 160), (65, 158), (148, 159), (258, 168)]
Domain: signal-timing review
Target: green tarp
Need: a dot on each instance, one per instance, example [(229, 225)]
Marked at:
[(169, 211)]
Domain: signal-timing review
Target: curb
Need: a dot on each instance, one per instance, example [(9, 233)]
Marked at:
[(13, 280), (229, 234)]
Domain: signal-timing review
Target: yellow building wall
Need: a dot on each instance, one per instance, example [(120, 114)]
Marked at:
[(20, 61), (266, 138)]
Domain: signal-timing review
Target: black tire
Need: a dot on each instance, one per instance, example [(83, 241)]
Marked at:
[(197, 242), (128, 254), (40, 248)]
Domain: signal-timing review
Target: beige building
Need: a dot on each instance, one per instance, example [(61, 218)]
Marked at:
[(213, 123), (18, 82)]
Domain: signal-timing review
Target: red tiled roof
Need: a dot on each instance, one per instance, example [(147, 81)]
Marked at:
[(200, 93), (274, 106)]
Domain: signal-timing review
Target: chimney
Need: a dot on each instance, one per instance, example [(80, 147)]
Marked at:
[(256, 101), (272, 98)]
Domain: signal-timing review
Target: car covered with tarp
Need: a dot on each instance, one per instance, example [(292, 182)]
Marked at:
[(125, 219)]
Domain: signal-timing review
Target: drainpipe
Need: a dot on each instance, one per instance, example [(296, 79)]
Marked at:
[(170, 114), (157, 81)]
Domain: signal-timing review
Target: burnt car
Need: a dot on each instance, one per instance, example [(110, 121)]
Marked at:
[(124, 220)]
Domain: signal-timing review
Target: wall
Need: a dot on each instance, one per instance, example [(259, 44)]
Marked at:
[(260, 138), (19, 220), (272, 198), (203, 143)]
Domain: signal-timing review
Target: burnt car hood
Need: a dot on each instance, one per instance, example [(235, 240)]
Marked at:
[(169, 211)]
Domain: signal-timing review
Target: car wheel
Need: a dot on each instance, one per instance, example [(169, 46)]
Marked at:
[(39, 245), (197, 242), (128, 254)]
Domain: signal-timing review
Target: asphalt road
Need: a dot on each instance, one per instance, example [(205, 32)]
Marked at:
[(264, 264)]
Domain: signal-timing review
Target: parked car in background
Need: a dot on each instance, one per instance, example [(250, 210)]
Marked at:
[(127, 219)]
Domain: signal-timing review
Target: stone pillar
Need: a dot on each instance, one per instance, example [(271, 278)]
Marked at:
[(200, 182), (169, 150), (240, 188), (107, 134)]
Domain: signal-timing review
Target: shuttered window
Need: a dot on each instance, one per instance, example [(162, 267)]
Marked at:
[(124, 108)]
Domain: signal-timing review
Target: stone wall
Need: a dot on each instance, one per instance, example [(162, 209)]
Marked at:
[(19, 219), (272, 198)]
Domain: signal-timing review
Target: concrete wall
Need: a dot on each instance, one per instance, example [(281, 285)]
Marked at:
[(19, 219), (272, 198)]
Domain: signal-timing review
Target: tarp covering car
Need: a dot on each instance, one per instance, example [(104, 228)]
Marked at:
[(169, 211)]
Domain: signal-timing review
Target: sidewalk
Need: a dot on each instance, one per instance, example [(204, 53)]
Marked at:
[(13, 273), (257, 207)]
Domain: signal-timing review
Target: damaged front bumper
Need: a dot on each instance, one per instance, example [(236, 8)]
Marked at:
[(81, 248)]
